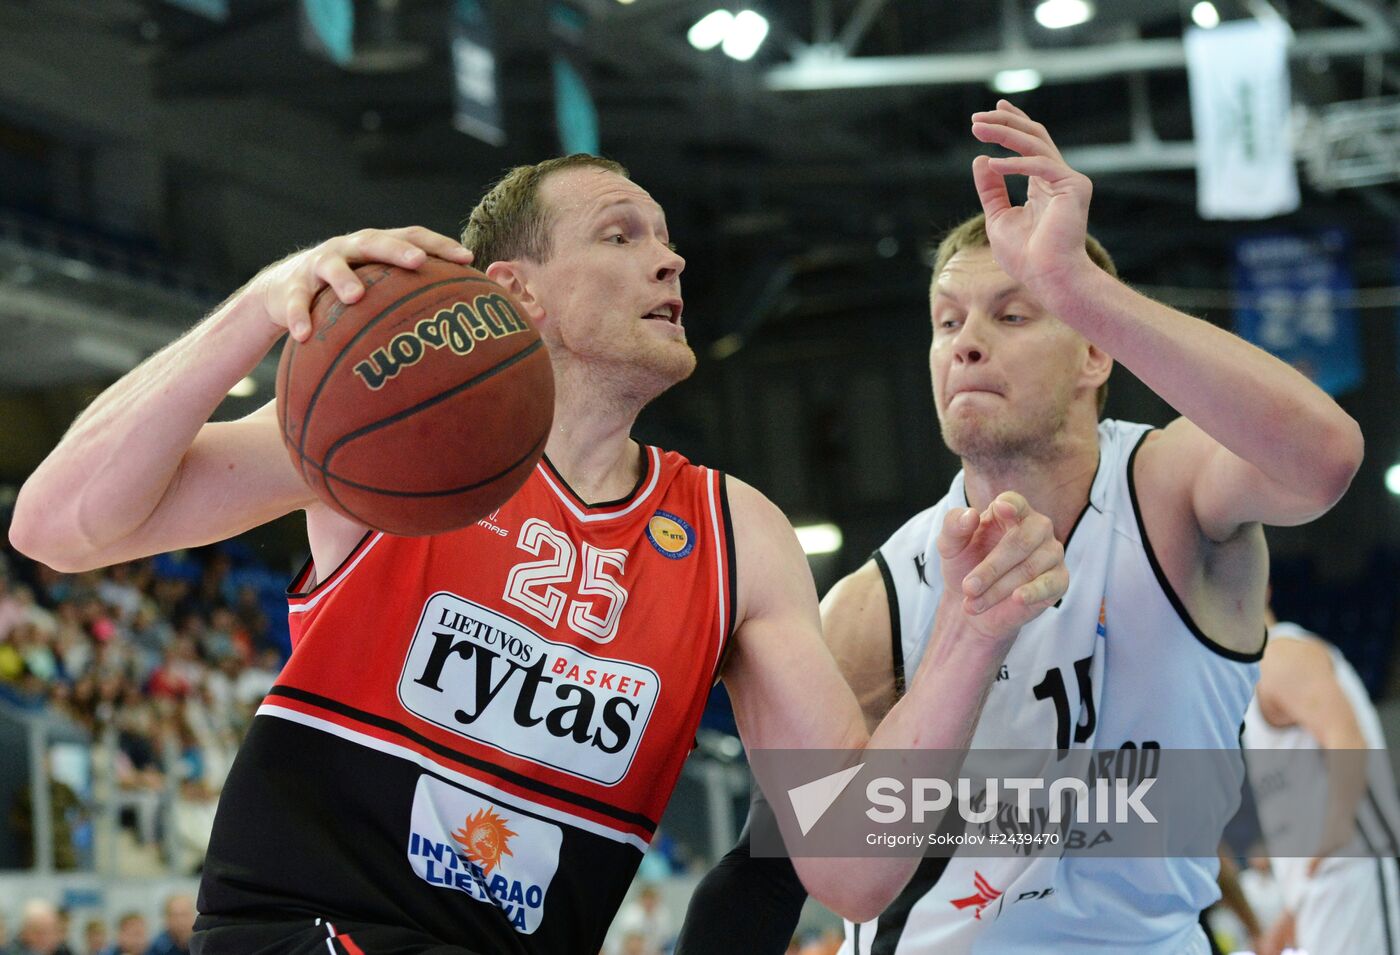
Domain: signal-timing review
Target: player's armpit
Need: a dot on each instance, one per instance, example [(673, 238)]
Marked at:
[(857, 627)]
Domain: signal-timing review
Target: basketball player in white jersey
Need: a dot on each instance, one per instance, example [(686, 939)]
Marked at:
[(588, 256), (1309, 700), (1156, 642)]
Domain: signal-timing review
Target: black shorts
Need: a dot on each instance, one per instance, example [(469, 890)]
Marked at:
[(314, 937)]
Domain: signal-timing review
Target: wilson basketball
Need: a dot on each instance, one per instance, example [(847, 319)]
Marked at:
[(423, 406)]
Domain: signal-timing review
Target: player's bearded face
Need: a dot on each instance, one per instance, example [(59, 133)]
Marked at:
[(1005, 371), (611, 286)]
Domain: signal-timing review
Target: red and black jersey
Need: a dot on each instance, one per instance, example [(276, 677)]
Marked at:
[(477, 731)]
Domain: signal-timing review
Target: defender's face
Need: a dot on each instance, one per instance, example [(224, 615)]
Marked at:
[(1004, 370), (611, 288)]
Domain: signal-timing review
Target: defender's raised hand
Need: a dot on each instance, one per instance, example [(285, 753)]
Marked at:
[(285, 289), (1043, 240), (1005, 563)]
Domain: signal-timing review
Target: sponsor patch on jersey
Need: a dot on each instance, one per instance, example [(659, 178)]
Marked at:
[(493, 853), (983, 895), (670, 535), (491, 679)]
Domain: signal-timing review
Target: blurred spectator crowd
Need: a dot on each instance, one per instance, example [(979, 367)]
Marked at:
[(44, 929), (160, 664)]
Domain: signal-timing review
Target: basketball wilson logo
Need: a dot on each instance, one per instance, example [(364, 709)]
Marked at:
[(670, 535), (485, 839), (458, 327)]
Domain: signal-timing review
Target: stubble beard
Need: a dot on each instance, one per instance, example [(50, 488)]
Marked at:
[(652, 370), (993, 444)]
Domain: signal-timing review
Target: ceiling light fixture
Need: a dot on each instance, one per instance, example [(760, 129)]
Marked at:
[(1205, 16), (819, 538), (1392, 479), (1016, 81), (710, 30), (1058, 14), (739, 34), (746, 35)]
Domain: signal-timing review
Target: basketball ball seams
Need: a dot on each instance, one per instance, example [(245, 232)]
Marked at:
[(502, 365), (328, 477), (414, 457), (363, 331), (351, 513)]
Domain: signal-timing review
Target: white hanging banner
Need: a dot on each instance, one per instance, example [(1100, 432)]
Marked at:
[(1240, 103)]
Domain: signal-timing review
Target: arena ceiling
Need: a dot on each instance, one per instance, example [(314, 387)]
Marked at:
[(152, 158)]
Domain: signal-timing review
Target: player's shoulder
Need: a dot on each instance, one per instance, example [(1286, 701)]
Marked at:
[(752, 511), (1158, 453), (916, 535), (1292, 647), (855, 594)]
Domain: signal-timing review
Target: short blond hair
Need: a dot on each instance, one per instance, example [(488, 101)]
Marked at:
[(510, 222), (972, 234)]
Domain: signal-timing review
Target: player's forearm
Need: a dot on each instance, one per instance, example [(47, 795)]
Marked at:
[(937, 716), (944, 701), (1346, 759), (110, 471), (1246, 399), (1232, 895)]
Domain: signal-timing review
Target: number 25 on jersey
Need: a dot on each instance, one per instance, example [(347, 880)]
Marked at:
[(533, 586)]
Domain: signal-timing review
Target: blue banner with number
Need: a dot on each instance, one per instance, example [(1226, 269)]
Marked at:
[(1295, 298), (476, 101)]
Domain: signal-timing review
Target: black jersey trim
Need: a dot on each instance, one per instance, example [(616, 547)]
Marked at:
[(1165, 584), (731, 569), (896, 637), (625, 499), (298, 581), (518, 779), (1380, 885), (1382, 821), (1385, 906), (890, 928), (1069, 538)]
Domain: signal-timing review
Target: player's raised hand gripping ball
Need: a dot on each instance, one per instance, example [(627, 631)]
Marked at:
[(424, 405)]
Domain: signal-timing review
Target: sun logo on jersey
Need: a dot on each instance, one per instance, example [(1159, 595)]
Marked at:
[(1102, 630), (670, 535), (485, 838)]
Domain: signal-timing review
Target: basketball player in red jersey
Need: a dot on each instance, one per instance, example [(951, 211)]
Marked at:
[(476, 733)]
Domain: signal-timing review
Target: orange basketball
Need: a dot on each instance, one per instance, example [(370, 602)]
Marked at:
[(423, 406)]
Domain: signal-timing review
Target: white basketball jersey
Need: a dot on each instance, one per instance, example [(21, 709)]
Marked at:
[(1358, 887), (1116, 663)]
